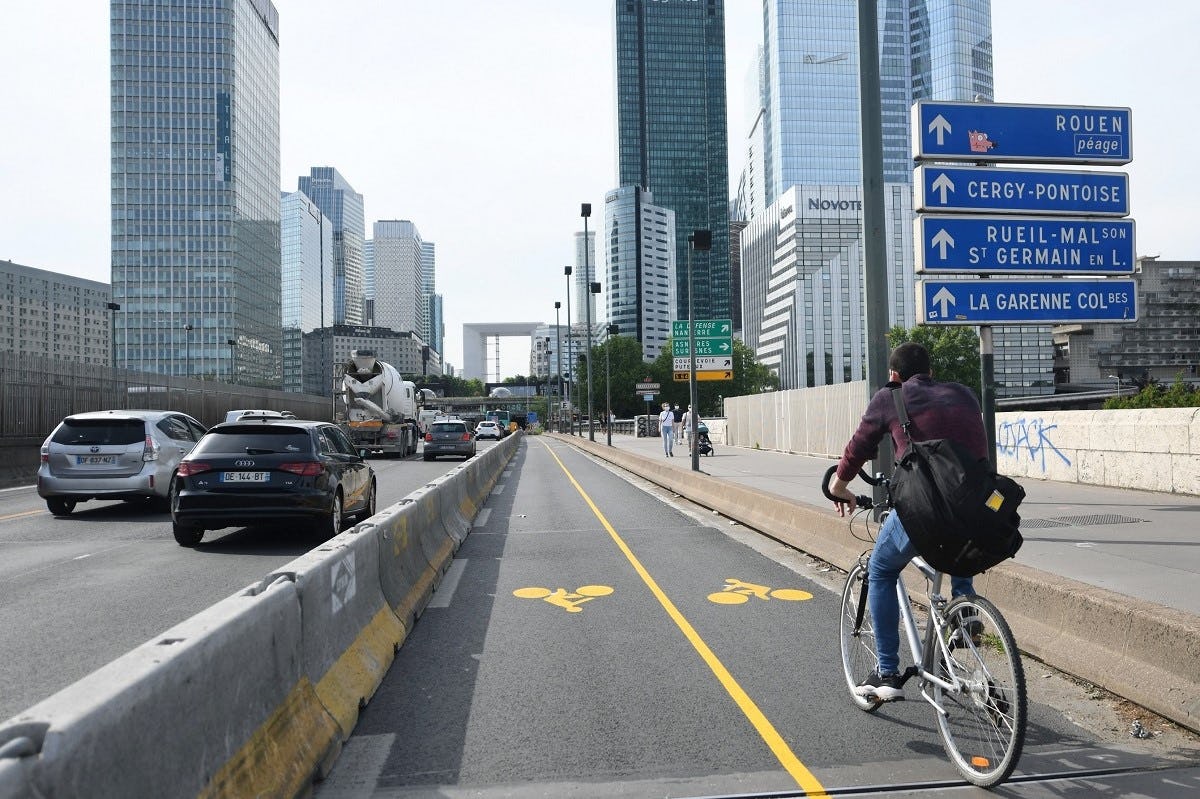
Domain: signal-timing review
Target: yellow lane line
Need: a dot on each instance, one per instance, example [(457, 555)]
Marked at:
[(21, 515), (787, 758)]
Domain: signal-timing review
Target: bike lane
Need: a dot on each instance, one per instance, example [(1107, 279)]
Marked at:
[(592, 639)]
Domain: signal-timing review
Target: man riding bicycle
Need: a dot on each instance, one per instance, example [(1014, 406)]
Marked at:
[(936, 410)]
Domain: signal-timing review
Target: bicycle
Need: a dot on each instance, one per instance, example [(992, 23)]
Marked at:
[(968, 664)]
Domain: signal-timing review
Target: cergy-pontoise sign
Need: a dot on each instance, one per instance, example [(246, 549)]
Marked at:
[(999, 190)]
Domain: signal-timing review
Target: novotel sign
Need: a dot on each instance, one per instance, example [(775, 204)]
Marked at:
[(818, 204)]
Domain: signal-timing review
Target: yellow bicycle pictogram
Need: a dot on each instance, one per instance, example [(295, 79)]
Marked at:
[(737, 592), (567, 600)]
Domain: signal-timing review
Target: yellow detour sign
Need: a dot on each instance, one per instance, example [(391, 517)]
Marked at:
[(723, 374)]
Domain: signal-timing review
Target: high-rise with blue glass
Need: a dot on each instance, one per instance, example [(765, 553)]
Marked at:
[(801, 270), (671, 132), (338, 200), (195, 188), (307, 266)]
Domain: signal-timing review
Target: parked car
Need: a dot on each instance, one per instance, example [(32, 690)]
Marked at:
[(271, 471), (129, 455), (243, 413), (449, 438), (488, 429)]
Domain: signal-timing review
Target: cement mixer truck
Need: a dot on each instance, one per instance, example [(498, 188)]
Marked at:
[(381, 408)]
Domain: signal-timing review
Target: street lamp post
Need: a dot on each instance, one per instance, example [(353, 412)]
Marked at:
[(699, 240), (570, 409), (112, 331), (585, 210), (232, 342), (558, 358), (611, 330), (1118, 379), (187, 333)]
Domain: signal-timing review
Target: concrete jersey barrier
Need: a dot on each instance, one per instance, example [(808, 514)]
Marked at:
[(255, 695), (1136, 649)]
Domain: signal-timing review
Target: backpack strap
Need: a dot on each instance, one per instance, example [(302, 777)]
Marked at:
[(901, 411)]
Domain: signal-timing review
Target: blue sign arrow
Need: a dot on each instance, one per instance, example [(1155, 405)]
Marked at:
[(1007, 132), (1020, 191), (1024, 245), (1030, 302)]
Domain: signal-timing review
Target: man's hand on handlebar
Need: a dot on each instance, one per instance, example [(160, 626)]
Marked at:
[(842, 496)]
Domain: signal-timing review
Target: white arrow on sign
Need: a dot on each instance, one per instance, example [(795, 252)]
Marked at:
[(944, 298), (942, 127), (943, 183), (725, 329), (942, 240)]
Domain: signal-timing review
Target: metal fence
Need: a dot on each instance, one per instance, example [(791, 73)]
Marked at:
[(36, 393)]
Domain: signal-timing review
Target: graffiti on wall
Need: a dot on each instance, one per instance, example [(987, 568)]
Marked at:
[(1028, 437)]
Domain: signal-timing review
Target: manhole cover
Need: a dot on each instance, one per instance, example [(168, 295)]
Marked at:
[(1038, 523), (1098, 518)]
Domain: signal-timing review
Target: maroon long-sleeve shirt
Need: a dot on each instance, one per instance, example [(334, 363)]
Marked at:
[(936, 410)]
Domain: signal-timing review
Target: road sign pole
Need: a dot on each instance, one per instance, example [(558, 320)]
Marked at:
[(987, 384)]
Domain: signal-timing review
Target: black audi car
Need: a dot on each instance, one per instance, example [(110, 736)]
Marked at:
[(271, 472)]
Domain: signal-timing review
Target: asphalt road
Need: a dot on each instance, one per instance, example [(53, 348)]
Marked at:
[(575, 649), (77, 592)]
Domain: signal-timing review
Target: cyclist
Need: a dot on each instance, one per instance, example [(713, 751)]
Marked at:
[(936, 410)]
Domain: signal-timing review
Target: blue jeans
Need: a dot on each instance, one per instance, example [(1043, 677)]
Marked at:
[(668, 437), (892, 553)]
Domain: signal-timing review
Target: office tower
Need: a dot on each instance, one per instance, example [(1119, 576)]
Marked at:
[(802, 133), (399, 264), (307, 269), (428, 286), (195, 188), (51, 315), (438, 324), (338, 200), (639, 238), (581, 277), (671, 132), (368, 282)]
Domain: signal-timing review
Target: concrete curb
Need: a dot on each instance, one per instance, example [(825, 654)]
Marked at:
[(1144, 652)]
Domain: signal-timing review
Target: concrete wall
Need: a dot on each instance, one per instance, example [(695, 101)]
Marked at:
[(1154, 450), (1151, 450)]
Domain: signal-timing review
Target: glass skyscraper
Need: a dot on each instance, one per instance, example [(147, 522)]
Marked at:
[(338, 200), (195, 187), (671, 131), (803, 132), (639, 238), (307, 267)]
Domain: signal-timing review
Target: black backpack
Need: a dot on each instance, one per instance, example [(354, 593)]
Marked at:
[(960, 515)]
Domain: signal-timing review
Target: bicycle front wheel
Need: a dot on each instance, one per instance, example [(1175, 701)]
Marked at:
[(983, 728), (857, 634)]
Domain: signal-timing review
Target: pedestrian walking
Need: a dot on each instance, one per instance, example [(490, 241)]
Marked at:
[(666, 427), (678, 416)]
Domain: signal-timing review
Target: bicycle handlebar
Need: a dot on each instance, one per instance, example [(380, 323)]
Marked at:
[(861, 500)]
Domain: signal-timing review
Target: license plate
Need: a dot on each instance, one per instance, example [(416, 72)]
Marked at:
[(95, 460), (245, 477)]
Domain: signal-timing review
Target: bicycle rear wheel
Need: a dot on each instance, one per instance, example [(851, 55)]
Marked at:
[(857, 637), (984, 726)]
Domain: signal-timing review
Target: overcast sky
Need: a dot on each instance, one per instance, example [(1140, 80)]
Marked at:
[(488, 122)]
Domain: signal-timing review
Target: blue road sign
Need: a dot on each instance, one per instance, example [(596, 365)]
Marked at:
[(997, 190), (1024, 245), (1007, 132), (1032, 302)]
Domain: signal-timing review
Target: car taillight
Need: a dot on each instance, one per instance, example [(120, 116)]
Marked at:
[(304, 469), (150, 451), (466, 437), (188, 468), (429, 436)]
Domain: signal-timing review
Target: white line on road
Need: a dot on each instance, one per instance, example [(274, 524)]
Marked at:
[(482, 518), (445, 591), (81, 557), (499, 489), (358, 768)]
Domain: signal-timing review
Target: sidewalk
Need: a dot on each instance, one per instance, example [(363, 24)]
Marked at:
[(1138, 543)]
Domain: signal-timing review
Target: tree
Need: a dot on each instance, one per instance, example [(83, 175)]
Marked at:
[(953, 351), (1155, 395), (626, 369)]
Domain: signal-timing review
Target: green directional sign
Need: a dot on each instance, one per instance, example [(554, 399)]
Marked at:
[(713, 337)]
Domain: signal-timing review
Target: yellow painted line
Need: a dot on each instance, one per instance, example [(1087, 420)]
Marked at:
[(22, 514), (787, 758)]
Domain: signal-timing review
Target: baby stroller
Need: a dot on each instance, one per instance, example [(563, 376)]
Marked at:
[(703, 443)]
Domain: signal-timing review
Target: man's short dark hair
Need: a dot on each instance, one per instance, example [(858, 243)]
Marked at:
[(909, 359)]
